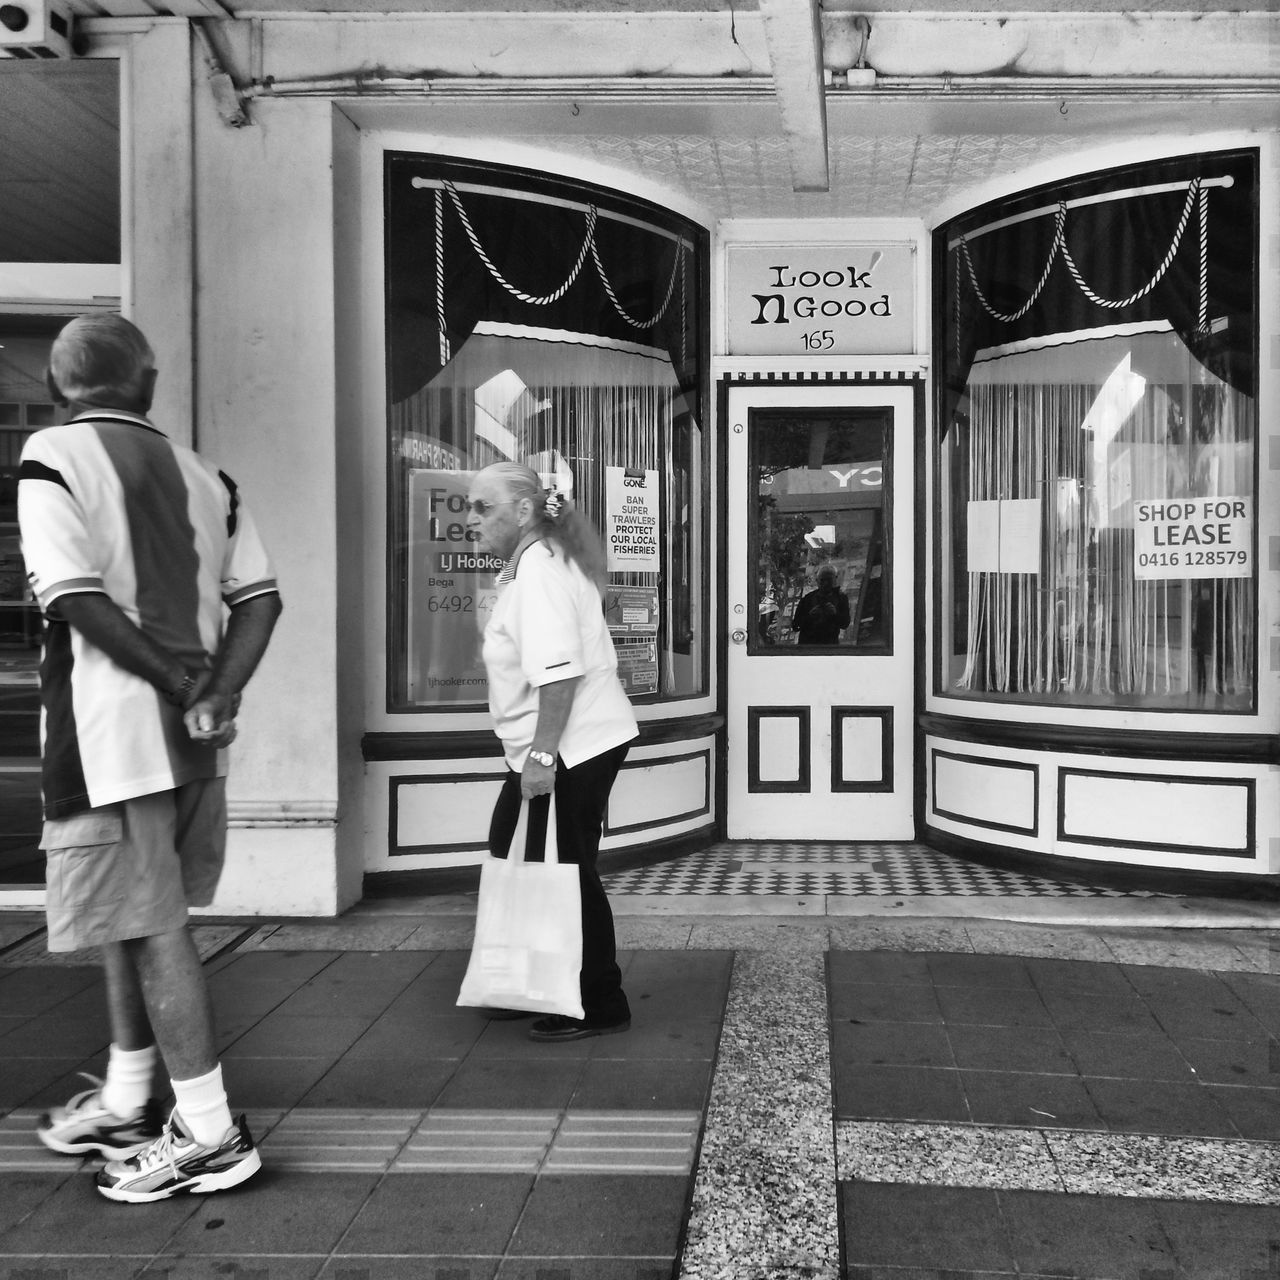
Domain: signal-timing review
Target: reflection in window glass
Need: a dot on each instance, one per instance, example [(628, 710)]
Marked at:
[(1096, 468), (818, 537), (558, 326)]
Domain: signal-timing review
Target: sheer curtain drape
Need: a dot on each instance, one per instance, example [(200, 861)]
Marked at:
[(1084, 625)]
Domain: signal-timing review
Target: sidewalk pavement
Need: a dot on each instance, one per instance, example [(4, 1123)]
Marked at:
[(800, 1095)]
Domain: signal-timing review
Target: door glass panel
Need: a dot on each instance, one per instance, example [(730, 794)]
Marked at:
[(819, 530)]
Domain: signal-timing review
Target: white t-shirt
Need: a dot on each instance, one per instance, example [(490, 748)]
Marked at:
[(548, 625)]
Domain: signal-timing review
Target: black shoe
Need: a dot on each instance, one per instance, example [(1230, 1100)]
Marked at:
[(506, 1015), (557, 1027)]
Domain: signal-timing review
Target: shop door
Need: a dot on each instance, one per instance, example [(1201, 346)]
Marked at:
[(820, 612)]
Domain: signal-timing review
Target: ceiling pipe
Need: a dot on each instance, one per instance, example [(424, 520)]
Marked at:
[(380, 84)]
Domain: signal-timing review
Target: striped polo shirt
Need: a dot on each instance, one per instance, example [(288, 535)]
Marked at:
[(109, 504)]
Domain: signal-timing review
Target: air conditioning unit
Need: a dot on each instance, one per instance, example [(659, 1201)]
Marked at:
[(35, 29)]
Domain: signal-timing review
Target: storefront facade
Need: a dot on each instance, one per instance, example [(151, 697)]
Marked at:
[(994, 352)]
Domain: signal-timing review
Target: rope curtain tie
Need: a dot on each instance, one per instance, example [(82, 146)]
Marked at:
[(590, 247), (545, 299), (1197, 196)]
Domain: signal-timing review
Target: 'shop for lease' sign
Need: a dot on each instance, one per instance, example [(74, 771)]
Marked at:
[(1193, 538)]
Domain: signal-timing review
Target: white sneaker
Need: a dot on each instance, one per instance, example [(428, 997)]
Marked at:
[(85, 1126), (176, 1164)]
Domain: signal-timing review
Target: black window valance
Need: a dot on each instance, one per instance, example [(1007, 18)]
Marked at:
[(468, 243), (1168, 244)]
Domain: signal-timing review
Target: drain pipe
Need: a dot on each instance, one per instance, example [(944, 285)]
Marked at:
[(226, 97)]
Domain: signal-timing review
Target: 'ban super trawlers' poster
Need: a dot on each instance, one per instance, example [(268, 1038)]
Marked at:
[(451, 592), (632, 522)]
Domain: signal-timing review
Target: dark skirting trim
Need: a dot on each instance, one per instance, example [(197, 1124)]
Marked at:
[(1106, 875), (481, 743), (1223, 748)]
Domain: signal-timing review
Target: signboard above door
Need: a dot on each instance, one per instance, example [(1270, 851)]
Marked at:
[(820, 299)]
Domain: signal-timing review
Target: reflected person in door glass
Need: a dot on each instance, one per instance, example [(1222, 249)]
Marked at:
[(822, 613), (557, 704)]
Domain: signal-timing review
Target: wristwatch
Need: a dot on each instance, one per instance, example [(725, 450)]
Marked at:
[(543, 758)]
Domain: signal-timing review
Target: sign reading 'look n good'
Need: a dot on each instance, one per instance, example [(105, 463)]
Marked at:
[(820, 299)]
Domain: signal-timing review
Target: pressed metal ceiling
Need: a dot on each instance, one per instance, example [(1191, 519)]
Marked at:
[(60, 129)]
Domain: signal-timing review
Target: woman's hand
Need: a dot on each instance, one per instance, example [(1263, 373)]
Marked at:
[(537, 779)]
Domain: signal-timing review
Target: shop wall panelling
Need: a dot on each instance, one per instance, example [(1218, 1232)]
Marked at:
[(1187, 815), (659, 791), (991, 794)]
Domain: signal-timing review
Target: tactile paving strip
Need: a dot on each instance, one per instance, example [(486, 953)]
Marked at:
[(440, 1140)]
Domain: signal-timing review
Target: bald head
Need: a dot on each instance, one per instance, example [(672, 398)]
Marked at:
[(103, 360)]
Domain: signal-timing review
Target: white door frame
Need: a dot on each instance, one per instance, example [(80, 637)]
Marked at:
[(821, 747)]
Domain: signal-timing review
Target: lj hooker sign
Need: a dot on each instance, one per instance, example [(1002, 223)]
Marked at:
[(820, 299)]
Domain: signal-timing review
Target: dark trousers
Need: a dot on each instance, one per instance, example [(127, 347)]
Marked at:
[(582, 794)]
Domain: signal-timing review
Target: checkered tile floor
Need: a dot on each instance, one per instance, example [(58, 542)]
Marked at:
[(912, 870)]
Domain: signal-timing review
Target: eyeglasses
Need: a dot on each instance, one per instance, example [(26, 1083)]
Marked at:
[(482, 508)]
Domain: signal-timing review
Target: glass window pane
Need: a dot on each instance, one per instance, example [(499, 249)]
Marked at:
[(818, 537), (558, 327), (1096, 470)]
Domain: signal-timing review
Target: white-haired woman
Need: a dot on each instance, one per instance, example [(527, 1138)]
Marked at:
[(558, 708)]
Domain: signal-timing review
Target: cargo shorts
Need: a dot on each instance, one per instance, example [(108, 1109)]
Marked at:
[(131, 870)]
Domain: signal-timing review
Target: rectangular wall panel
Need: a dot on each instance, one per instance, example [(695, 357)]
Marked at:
[(1200, 815), (655, 792), (442, 812), (1001, 795)]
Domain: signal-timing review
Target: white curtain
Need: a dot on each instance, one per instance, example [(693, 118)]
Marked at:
[(1083, 625)]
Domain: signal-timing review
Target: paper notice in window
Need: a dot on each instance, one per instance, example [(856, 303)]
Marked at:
[(1020, 536), (984, 537), (1004, 536)]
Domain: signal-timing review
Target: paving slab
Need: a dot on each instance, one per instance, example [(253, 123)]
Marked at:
[(812, 1079)]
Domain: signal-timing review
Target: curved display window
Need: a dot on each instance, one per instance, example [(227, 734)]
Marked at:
[(558, 325), (1097, 428)]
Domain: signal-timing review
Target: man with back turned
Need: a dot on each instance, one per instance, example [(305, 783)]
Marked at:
[(159, 601)]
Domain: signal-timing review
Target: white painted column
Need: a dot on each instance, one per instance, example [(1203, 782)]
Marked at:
[(265, 397), (156, 222)]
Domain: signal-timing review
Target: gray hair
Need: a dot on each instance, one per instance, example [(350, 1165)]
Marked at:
[(568, 530), (100, 357)]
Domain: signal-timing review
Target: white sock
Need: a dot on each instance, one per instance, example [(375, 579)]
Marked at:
[(202, 1104), (128, 1083)]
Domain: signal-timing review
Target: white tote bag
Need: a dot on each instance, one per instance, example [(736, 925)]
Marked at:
[(527, 949)]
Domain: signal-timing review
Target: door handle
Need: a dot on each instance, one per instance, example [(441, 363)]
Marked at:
[(739, 636)]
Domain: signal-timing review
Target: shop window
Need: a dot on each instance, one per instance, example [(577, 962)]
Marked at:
[(561, 326), (1097, 441)]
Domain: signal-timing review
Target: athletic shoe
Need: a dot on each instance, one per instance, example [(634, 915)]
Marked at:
[(85, 1126), (176, 1164), (557, 1027)]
